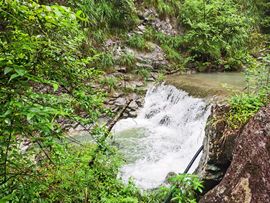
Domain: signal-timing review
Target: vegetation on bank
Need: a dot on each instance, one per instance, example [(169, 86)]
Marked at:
[(51, 60)]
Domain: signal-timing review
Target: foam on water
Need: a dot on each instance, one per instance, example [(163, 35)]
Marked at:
[(167, 132)]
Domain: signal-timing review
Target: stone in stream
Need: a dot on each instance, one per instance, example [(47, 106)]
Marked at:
[(165, 120), (133, 105), (247, 180)]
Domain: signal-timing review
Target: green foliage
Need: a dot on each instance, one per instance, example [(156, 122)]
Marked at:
[(245, 105), (62, 183), (44, 80), (164, 7), (216, 32), (110, 82), (160, 77), (171, 54), (127, 59), (145, 73), (104, 60), (137, 41), (184, 189), (259, 10), (258, 75), (107, 14), (172, 41), (50, 62)]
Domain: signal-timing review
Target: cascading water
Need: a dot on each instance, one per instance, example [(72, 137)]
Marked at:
[(167, 132)]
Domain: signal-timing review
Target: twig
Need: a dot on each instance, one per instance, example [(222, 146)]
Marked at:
[(46, 154), (110, 126), (6, 157)]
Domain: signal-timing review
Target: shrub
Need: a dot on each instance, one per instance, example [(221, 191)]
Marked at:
[(143, 72), (164, 7), (184, 188), (108, 14), (138, 42), (245, 105), (44, 80), (216, 32), (127, 59)]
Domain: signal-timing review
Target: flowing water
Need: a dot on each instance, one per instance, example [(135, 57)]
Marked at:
[(167, 132)]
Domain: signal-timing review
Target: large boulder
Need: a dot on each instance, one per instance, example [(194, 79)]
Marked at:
[(247, 180), (218, 150)]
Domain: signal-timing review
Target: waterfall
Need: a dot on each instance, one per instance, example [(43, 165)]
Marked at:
[(167, 132)]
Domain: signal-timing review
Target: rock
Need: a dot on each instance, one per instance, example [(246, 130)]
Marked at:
[(144, 65), (167, 26), (165, 120), (153, 59), (132, 114), (133, 105), (125, 115), (152, 113), (134, 96), (121, 69), (141, 28), (121, 101), (168, 176), (150, 79), (217, 153), (134, 84), (140, 102), (117, 94), (247, 180)]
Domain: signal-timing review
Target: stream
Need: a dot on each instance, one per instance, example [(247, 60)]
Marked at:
[(163, 138), (169, 128)]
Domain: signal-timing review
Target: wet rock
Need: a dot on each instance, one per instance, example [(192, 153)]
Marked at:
[(152, 113), (132, 114), (165, 120), (134, 97), (133, 105), (125, 115), (247, 180), (121, 101), (168, 176), (217, 152)]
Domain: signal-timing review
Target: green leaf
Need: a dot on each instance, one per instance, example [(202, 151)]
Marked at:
[(7, 121), (6, 198), (55, 86), (29, 116), (20, 71), (13, 76), (7, 70)]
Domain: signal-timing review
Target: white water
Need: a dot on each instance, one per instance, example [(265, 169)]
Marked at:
[(164, 137)]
